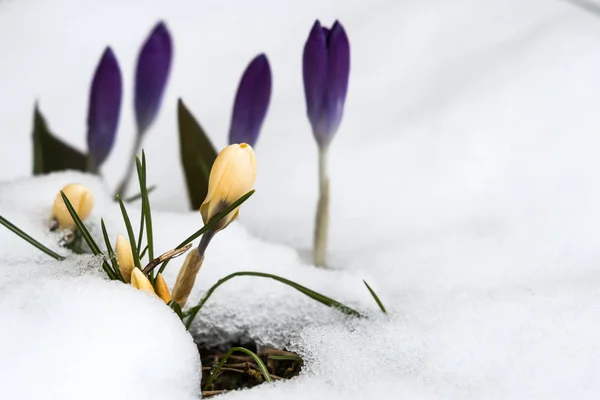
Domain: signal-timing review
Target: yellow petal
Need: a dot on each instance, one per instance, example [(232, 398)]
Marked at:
[(124, 257), (140, 281), (82, 200), (232, 176), (162, 290)]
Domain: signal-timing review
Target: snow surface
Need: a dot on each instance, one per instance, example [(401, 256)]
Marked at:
[(464, 189)]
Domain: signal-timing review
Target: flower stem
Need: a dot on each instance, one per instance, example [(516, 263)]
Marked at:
[(122, 188), (322, 219), (187, 274)]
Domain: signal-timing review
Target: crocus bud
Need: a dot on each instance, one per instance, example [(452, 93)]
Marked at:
[(141, 281), (232, 176), (152, 72), (162, 290), (326, 67), (104, 108), (251, 102), (81, 199), (124, 257), (187, 277)]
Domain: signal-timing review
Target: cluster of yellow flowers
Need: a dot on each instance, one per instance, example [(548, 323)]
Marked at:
[(232, 176)]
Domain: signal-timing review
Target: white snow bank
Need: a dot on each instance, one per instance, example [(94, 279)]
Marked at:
[(67, 337)]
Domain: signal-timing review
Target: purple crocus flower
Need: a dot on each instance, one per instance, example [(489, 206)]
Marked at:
[(325, 68), (251, 102), (104, 107), (152, 72)]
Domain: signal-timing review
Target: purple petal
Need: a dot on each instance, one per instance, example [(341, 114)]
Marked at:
[(314, 70), (104, 107), (152, 73), (338, 71), (251, 102)]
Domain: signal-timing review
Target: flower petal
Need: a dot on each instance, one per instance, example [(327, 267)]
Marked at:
[(104, 107), (152, 73), (251, 102), (314, 71)]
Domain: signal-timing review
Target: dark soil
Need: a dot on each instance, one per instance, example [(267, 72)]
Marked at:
[(241, 372)]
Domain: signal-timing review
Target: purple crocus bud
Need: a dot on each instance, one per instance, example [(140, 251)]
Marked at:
[(152, 72), (326, 68), (104, 107), (251, 102)]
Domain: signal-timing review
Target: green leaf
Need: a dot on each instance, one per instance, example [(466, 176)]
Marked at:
[(50, 154), (192, 312), (132, 243), (212, 222), (379, 303), (87, 236), (197, 155), (146, 206), (17, 231), (111, 252), (176, 308), (256, 359)]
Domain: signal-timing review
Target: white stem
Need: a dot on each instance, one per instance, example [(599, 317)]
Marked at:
[(322, 219)]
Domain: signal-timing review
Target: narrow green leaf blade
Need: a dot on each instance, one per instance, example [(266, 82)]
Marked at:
[(86, 235), (197, 155), (17, 231), (130, 233), (111, 253), (50, 154), (192, 312), (212, 221), (147, 209), (375, 297)]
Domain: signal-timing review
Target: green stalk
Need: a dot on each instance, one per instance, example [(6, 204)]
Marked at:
[(210, 224)]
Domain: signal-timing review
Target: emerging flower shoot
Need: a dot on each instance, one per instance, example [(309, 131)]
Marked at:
[(141, 281), (151, 76), (161, 288), (82, 200), (251, 102), (104, 109), (124, 257), (232, 176), (325, 68)]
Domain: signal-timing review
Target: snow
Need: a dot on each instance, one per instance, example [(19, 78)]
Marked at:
[(464, 190)]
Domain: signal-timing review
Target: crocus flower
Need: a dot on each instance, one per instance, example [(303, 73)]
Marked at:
[(232, 175), (251, 102), (326, 67), (104, 107), (141, 281), (124, 257), (81, 199), (152, 72), (162, 290)]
